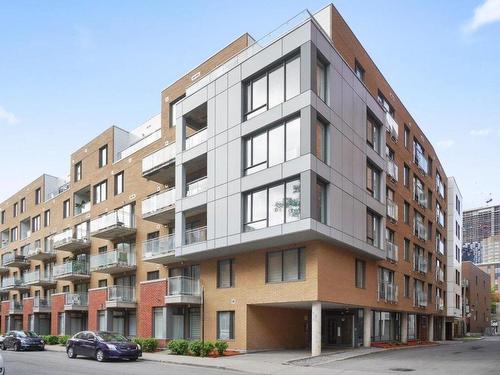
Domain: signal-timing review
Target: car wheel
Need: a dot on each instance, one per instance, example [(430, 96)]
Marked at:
[(99, 355), (133, 359), (16, 347), (71, 353)]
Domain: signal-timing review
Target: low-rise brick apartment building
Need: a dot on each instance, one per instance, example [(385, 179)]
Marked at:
[(283, 198), (477, 298)]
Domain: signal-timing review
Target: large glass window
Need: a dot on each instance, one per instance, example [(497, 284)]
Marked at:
[(373, 132), (386, 326), (321, 79), (285, 265), (373, 180), (272, 205), (225, 325), (225, 274), (273, 87), (159, 323), (321, 200), (273, 146), (360, 273), (372, 229), (321, 146)]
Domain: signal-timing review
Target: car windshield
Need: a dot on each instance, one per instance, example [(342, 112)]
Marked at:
[(26, 334), (111, 337)]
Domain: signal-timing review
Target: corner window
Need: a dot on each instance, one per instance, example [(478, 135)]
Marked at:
[(359, 71), (225, 273), (321, 79), (360, 273), (321, 144), (78, 171), (119, 180), (225, 325), (372, 228), (272, 87), (103, 156), (285, 265)]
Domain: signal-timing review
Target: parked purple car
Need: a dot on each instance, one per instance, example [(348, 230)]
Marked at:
[(102, 345)]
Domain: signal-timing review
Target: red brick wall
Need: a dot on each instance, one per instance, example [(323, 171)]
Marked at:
[(57, 306), (5, 314), (27, 310), (152, 294), (97, 301)]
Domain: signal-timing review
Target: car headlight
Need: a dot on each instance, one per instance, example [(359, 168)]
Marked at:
[(111, 346), (138, 347)]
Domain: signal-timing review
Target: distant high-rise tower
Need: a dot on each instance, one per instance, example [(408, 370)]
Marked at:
[(472, 252), (481, 223)]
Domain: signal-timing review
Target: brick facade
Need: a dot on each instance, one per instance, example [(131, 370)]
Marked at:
[(97, 301), (5, 314), (27, 311), (152, 295), (57, 306)]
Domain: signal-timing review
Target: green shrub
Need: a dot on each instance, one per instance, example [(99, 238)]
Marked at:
[(148, 345), (221, 346), (50, 339), (178, 346), (207, 348), (196, 347), (63, 339)]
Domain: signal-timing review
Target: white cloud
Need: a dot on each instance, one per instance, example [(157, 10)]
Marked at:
[(484, 14), (7, 116), (446, 144), (481, 132)]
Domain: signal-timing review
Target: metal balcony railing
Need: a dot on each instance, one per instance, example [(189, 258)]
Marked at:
[(158, 202), (80, 234), (421, 198), (421, 161), (121, 258), (15, 307), (392, 169), (12, 282), (195, 235), (392, 209), (76, 299), (120, 293), (159, 246), (74, 267), (440, 247), (115, 218), (12, 257), (391, 251), (196, 186), (387, 292), (183, 286), (196, 138), (158, 158)]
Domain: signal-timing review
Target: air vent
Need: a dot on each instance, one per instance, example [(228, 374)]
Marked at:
[(131, 197)]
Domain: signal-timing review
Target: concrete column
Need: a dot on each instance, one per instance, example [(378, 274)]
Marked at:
[(316, 329), (367, 327), (443, 329), (431, 328), (404, 327)]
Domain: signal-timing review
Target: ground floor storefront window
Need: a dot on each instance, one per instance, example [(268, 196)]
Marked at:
[(412, 326), (386, 326)]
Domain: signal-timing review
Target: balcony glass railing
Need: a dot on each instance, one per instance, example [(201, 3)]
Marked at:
[(421, 231), (158, 158), (9, 258), (71, 234), (76, 299), (183, 286), (12, 282), (420, 264), (195, 235), (120, 293), (439, 303), (196, 138), (440, 274), (391, 251), (159, 246), (420, 298), (124, 258), (392, 169), (196, 186), (388, 292), (35, 276), (41, 303), (440, 247), (15, 307), (392, 125), (121, 218), (158, 202), (74, 267), (35, 250), (141, 143), (392, 209)]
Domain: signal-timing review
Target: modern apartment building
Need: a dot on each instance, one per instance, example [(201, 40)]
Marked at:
[(481, 223), (283, 198), (477, 298), (454, 324)]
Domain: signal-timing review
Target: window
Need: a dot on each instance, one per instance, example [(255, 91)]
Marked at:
[(419, 156), (406, 213), (457, 230), (407, 137), (407, 286), (23, 205), (272, 87), (173, 111), (103, 156), (373, 180), (406, 250), (273, 146), (100, 192), (406, 176), (103, 283), (457, 277), (272, 205), (321, 200), (225, 274), (2, 217), (457, 301), (14, 209), (373, 132), (119, 180), (13, 234), (46, 218), (457, 253), (38, 196), (321, 144), (66, 209), (458, 204), (360, 273), (66, 289), (385, 104), (78, 172), (321, 80), (36, 223), (159, 323), (153, 275), (285, 265), (225, 325), (372, 229), (359, 71)]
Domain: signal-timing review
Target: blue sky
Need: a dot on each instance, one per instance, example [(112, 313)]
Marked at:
[(70, 69)]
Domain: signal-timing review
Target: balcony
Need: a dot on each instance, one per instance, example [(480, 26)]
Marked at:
[(183, 290), (39, 253), (36, 279), (195, 235), (388, 292), (72, 240), (41, 305), (112, 262), (160, 165), (391, 126), (196, 138), (420, 299), (196, 186), (160, 207), (15, 307), (439, 303), (119, 296), (392, 210), (13, 283), (76, 302), (74, 270), (392, 170), (159, 250), (4, 270), (115, 225), (14, 260), (391, 251)]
